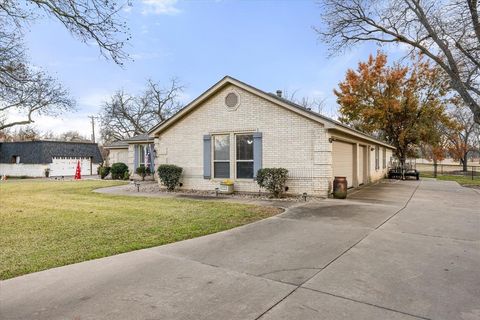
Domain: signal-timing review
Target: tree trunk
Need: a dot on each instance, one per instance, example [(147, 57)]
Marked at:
[(465, 162)]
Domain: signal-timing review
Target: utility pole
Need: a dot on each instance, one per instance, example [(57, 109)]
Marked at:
[(92, 118)]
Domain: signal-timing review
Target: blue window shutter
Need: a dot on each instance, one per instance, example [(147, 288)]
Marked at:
[(207, 156), (135, 157), (152, 157), (257, 153)]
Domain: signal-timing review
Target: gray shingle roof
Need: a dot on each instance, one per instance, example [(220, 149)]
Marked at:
[(124, 143), (140, 137), (41, 152), (117, 144)]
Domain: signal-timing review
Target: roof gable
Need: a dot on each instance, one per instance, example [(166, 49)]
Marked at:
[(289, 105)]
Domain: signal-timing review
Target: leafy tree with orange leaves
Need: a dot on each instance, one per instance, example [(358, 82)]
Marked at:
[(461, 136), (401, 104)]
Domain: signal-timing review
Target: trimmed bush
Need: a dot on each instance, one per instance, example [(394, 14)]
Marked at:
[(126, 175), (273, 179), (103, 171), (119, 170), (170, 175), (143, 171)]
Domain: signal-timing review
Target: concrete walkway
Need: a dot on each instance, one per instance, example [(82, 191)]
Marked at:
[(396, 250)]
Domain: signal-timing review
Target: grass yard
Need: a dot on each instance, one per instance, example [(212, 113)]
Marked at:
[(45, 224), (462, 180)]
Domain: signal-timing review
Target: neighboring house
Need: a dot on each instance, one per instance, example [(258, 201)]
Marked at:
[(134, 152), (234, 129), (32, 158)]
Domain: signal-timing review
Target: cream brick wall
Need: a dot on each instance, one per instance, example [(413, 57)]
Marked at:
[(117, 155), (372, 174), (131, 158), (289, 141), (376, 175)]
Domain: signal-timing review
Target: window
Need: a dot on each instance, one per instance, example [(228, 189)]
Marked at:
[(244, 156), (384, 157), (377, 156), (15, 159), (221, 156), (141, 155)]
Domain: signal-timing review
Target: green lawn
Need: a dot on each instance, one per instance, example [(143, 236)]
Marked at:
[(463, 180), (48, 224)]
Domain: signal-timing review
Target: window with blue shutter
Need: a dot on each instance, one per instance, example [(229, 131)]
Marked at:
[(152, 157), (257, 153), (207, 156)]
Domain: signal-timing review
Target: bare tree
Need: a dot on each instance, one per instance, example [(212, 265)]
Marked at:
[(26, 91), (125, 115), (120, 119), (163, 102), (39, 95), (88, 20), (24, 133), (314, 104), (73, 136), (447, 31)]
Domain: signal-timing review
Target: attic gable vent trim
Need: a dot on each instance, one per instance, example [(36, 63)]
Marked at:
[(232, 100)]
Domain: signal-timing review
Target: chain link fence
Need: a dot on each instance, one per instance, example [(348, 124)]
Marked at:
[(428, 169)]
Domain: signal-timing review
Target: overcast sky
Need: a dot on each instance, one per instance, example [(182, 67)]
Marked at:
[(268, 44)]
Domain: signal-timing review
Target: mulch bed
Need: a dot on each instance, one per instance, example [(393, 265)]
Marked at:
[(154, 188)]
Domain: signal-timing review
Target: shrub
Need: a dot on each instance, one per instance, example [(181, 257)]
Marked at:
[(170, 175), (118, 170), (143, 171), (103, 171), (272, 179), (126, 175)]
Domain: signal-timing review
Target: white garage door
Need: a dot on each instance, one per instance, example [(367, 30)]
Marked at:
[(66, 166), (343, 161)]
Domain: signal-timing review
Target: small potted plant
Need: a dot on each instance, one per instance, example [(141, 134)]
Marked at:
[(47, 172), (226, 186)]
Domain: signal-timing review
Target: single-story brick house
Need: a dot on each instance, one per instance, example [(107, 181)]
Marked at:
[(32, 158), (233, 129), (134, 152)]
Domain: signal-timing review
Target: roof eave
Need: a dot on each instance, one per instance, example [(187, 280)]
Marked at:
[(223, 82), (361, 136)]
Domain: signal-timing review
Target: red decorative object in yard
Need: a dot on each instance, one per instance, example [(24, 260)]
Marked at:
[(78, 172)]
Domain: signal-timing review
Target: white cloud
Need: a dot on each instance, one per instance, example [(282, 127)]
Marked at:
[(68, 121), (160, 7)]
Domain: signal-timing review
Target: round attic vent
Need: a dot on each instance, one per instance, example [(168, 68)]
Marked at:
[(232, 100)]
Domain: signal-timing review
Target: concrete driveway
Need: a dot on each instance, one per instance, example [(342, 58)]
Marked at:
[(396, 250)]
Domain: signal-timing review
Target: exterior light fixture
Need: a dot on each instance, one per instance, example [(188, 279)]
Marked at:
[(330, 140), (216, 192), (304, 196)]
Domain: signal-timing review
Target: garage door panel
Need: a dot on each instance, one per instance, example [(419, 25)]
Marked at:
[(66, 166), (343, 161)]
